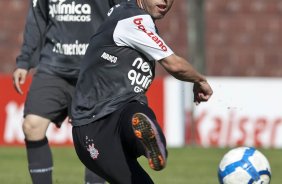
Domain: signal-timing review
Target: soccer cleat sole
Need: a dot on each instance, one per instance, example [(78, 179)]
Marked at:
[(146, 132)]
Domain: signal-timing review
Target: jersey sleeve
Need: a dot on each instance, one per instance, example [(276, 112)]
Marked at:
[(36, 22), (139, 32)]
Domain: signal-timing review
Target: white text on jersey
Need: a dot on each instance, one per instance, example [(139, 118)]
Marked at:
[(106, 56), (139, 79), (71, 49), (70, 12)]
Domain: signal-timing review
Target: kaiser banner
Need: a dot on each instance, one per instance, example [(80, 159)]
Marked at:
[(242, 111)]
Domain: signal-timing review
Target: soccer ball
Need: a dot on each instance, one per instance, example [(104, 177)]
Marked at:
[(244, 165)]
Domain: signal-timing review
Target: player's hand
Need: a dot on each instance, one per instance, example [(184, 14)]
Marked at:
[(202, 92), (19, 77)]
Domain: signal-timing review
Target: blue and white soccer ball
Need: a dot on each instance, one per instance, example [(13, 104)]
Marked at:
[(244, 165)]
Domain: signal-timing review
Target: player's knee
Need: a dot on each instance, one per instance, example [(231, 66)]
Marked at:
[(34, 128)]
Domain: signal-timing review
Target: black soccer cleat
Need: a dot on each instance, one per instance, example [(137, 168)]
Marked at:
[(147, 133)]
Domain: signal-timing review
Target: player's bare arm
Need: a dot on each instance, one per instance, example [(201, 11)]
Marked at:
[(181, 69), (19, 77)]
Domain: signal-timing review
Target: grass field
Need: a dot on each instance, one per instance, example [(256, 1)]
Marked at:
[(185, 165)]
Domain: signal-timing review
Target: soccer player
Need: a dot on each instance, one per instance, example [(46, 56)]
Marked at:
[(112, 122), (56, 35)]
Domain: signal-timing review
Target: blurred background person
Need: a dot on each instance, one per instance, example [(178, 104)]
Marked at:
[(55, 39)]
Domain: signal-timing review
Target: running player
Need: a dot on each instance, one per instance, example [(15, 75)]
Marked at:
[(112, 123), (60, 31)]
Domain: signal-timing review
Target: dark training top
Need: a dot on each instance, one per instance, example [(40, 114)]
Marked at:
[(57, 33), (119, 64)]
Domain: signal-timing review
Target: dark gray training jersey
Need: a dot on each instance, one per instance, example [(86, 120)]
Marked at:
[(119, 64), (59, 30)]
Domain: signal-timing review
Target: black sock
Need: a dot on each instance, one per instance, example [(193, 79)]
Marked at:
[(40, 161), (92, 178)]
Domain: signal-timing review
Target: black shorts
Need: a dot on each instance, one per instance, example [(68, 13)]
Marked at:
[(110, 148), (50, 97)]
